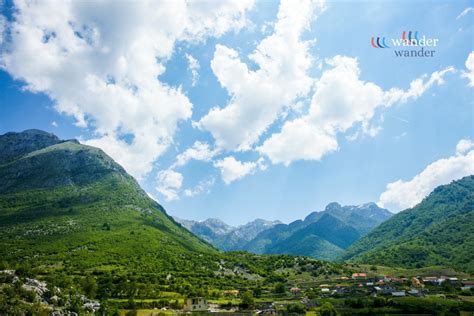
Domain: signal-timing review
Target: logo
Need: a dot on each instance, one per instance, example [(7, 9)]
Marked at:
[(408, 45), (379, 43)]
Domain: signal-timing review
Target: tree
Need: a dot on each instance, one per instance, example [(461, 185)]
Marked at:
[(296, 308), (257, 292), (327, 309), (280, 288), (89, 285), (247, 300)]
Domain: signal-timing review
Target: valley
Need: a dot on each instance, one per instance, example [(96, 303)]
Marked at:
[(79, 235)]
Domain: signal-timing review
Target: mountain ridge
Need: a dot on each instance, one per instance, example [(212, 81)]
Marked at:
[(57, 196), (353, 222), (437, 231)]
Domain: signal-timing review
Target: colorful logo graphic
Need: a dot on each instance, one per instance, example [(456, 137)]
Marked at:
[(379, 42)]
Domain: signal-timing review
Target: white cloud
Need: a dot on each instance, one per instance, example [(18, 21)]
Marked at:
[(193, 66), (464, 12), (400, 194), (168, 183), (341, 101), (233, 169), (203, 186), (463, 146), (199, 151), (54, 124), (258, 96), (469, 74), (298, 139), (3, 26), (99, 62)]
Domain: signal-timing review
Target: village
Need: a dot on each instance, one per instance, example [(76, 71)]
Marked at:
[(352, 290), (359, 292)]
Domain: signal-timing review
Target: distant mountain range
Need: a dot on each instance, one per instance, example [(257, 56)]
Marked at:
[(438, 231), (224, 236), (322, 235)]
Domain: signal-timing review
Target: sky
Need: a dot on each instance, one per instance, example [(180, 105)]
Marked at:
[(242, 109)]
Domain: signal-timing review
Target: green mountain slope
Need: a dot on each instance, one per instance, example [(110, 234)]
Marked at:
[(66, 203), (438, 231), (325, 239), (323, 235)]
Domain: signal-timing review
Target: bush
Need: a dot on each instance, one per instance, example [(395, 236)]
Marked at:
[(296, 308), (247, 300), (327, 309)]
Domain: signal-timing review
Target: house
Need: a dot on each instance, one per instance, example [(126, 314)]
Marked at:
[(325, 290), (414, 292), (359, 275), (324, 285), (295, 290), (433, 280), (398, 293), (468, 284), (388, 290), (231, 292), (197, 304), (453, 280)]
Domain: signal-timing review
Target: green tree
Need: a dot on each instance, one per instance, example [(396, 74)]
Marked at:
[(327, 309), (280, 288), (296, 308), (257, 292), (247, 300), (89, 285)]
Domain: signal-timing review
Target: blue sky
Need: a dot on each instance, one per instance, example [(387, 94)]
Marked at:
[(302, 128)]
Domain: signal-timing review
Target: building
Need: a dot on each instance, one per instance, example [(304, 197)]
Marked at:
[(434, 280), (231, 292), (359, 275), (398, 293), (295, 290), (468, 284), (197, 304), (414, 292)]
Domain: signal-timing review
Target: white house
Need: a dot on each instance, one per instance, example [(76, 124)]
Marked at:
[(198, 304)]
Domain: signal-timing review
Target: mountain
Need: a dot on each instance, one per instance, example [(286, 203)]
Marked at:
[(63, 203), (322, 235), (223, 236), (72, 218), (362, 217), (437, 231)]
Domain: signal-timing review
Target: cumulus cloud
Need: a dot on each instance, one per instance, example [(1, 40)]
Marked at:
[(469, 74), (232, 169), (198, 151), (463, 146), (193, 66), (298, 140), (258, 96), (341, 101), (99, 62), (169, 183), (400, 194)]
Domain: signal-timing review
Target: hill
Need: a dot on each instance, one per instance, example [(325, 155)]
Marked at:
[(66, 203), (438, 231)]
